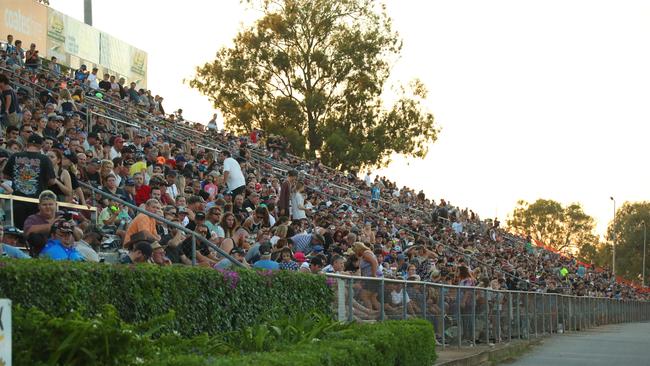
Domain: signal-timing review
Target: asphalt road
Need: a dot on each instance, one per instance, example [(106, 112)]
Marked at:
[(619, 345)]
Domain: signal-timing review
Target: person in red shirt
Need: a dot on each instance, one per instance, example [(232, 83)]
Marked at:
[(142, 191)]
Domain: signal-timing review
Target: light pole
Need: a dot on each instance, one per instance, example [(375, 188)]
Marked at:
[(614, 239), (643, 270)]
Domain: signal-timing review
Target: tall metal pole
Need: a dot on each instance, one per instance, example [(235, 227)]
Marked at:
[(645, 229), (614, 240), (88, 12)]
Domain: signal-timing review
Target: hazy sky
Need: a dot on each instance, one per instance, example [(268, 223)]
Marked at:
[(535, 99)]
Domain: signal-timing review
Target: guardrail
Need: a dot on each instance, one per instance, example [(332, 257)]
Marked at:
[(12, 198), (465, 316)]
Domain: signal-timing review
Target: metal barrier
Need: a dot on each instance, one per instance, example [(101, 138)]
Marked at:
[(10, 199), (466, 316)]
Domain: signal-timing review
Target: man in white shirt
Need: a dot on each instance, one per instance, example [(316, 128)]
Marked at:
[(116, 149), (172, 189), (232, 174), (212, 124), (368, 180), (92, 79)]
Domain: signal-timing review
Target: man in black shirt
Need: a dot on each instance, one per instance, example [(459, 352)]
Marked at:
[(105, 84), (30, 173)]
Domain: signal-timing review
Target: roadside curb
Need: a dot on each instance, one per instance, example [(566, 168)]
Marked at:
[(494, 355)]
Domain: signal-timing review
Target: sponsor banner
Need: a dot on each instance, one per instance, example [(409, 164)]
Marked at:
[(67, 35), (5, 332), (24, 19)]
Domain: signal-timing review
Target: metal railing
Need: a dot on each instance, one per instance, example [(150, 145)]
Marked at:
[(8, 205), (194, 235), (466, 316)]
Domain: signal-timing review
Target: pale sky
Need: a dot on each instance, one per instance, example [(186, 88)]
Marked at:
[(535, 99)]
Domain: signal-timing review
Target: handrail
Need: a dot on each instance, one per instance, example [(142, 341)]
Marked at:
[(195, 235), (73, 206)]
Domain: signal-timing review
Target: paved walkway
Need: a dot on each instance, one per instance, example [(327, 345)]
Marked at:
[(619, 344)]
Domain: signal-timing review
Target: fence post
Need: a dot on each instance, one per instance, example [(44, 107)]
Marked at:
[(350, 300), (193, 250), (404, 303), (381, 299), (543, 314), (526, 315), (474, 316), (535, 312), (424, 301), (509, 316), (518, 312), (487, 317), (442, 316), (459, 321), (497, 318)]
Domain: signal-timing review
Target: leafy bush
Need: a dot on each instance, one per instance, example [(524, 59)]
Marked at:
[(302, 340), (204, 300)]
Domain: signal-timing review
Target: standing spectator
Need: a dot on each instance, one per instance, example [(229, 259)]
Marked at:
[(31, 58), (232, 174), (60, 246), (19, 54), (212, 124), (91, 80), (298, 203), (285, 193), (54, 67), (105, 84), (30, 173), (81, 74), (10, 107)]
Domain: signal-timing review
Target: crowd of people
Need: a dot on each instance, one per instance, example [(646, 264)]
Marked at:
[(245, 195)]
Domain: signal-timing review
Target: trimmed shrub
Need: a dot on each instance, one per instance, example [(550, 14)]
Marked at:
[(105, 339), (204, 300), (402, 342)]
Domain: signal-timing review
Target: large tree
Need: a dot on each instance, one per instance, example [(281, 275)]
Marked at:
[(566, 229), (316, 71), (627, 231)]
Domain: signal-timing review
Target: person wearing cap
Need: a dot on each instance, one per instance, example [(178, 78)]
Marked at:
[(30, 173), (158, 255), (10, 240), (265, 261), (60, 246), (305, 242), (232, 174), (140, 252), (238, 254)]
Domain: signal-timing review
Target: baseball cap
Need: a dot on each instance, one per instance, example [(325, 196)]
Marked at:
[(63, 226), (318, 248), (129, 182), (35, 139), (95, 161), (300, 257), (71, 156), (200, 215)]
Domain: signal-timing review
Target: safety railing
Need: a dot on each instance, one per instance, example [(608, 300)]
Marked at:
[(466, 316), (193, 234), (7, 208)]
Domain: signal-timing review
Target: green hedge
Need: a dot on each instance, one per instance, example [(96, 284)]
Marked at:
[(73, 340), (205, 300), (402, 342)]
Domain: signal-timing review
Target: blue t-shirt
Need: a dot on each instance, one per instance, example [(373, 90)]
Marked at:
[(374, 193), (267, 264), (55, 250), (13, 252)]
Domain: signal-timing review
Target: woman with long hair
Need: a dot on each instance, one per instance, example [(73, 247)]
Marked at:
[(105, 169), (62, 186), (229, 224), (369, 267)]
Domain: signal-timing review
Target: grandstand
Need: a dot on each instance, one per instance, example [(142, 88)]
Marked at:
[(97, 171)]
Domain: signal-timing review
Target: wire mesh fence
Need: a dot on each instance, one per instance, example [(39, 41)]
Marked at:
[(467, 316)]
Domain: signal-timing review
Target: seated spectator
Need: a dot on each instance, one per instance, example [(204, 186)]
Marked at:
[(336, 266), (305, 242), (145, 223), (88, 245), (61, 246), (9, 241), (140, 253), (238, 254), (265, 261), (286, 260), (41, 222), (158, 255)]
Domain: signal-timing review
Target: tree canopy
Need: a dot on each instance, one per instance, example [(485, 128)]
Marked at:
[(627, 230), (315, 72), (566, 229)]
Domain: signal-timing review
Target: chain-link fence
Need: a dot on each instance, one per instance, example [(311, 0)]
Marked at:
[(466, 316)]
